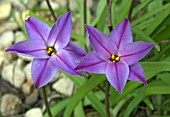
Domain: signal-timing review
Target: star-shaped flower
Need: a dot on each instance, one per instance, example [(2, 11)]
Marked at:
[(115, 55), (50, 47)]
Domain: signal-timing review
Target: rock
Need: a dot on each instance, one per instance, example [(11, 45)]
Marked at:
[(54, 5), (34, 112), (9, 25), (6, 58), (7, 73), (10, 105), (5, 10), (25, 58), (62, 2), (18, 5), (14, 74), (64, 86), (73, 5), (32, 98), (27, 70), (6, 39), (26, 87), (31, 4), (19, 36), (89, 3)]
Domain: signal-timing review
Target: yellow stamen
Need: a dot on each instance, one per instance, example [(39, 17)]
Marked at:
[(51, 51), (117, 58), (48, 52), (114, 58), (52, 54)]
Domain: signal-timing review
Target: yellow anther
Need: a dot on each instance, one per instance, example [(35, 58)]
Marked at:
[(48, 52), (52, 54), (50, 49), (114, 58), (117, 58)]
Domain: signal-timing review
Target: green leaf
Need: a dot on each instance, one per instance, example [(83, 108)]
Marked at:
[(157, 21), (58, 107), (165, 77), (144, 36), (81, 41), (139, 7), (96, 103), (149, 14), (148, 103), (133, 104), (150, 90), (125, 6), (99, 11), (157, 90), (102, 21), (79, 112), (151, 69), (82, 92)]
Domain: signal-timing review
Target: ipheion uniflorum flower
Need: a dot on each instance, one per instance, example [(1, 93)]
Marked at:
[(49, 47), (115, 55)]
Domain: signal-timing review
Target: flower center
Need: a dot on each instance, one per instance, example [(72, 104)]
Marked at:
[(51, 51), (114, 58)]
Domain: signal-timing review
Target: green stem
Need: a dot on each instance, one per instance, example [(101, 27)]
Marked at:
[(44, 95), (51, 10), (131, 9), (107, 98), (109, 4)]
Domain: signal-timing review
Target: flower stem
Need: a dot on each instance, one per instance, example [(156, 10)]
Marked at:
[(51, 10), (85, 21), (109, 4), (68, 3), (46, 102), (85, 16), (131, 9), (107, 98)]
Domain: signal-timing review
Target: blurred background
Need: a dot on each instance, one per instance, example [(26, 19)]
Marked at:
[(150, 22), (18, 97)]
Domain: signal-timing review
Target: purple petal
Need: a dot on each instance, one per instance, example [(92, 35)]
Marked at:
[(117, 74), (137, 73), (101, 43), (75, 51), (42, 72), (37, 29), (65, 62), (122, 34), (133, 52), (34, 48), (61, 31), (92, 63)]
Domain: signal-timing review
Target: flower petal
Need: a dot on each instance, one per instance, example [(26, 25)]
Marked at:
[(65, 62), (92, 63), (137, 73), (122, 33), (34, 48), (61, 31), (117, 74), (101, 43), (133, 52), (42, 72), (37, 29), (75, 51)]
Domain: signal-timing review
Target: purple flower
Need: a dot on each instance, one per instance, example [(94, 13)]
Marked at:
[(50, 47), (115, 55)]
